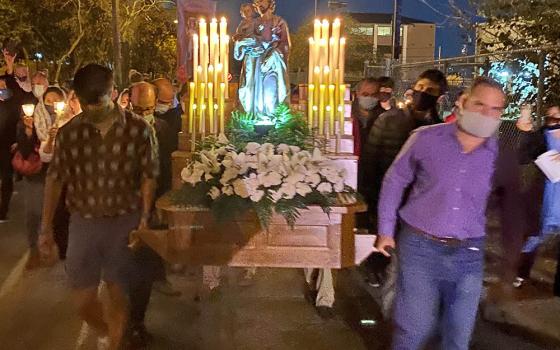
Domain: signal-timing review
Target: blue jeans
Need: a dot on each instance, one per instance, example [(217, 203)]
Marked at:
[(437, 286)]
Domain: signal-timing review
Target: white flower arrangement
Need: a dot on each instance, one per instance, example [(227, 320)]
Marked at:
[(282, 178)]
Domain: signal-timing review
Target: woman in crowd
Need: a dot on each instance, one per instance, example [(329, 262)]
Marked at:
[(28, 145), (46, 150)]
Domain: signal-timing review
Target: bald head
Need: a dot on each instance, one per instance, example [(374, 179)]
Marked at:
[(165, 92), (143, 98)]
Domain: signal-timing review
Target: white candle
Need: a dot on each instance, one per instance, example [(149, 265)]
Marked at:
[(210, 107), (341, 60), (213, 34), (311, 61), (195, 59)]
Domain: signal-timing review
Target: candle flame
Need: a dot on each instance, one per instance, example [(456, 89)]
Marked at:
[(223, 20), (326, 69), (215, 106), (343, 41), (214, 20), (317, 70), (315, 108)]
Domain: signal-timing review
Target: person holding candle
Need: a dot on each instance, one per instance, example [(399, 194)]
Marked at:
[(46, 149), (28, 144)]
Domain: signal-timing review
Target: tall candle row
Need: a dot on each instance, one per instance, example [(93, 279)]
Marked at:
[(208, 90), (326, 88)]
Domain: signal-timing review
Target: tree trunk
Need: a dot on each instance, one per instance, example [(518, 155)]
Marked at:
[(116, 44)]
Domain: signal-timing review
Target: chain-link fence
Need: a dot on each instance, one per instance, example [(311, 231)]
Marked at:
[(522, 73)]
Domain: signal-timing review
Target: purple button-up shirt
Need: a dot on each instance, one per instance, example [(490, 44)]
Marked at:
[(449, 190)]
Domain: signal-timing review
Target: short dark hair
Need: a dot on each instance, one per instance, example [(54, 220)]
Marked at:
[(56, 90), (386, 82), (368, 80), (93, 82), (437, 77)]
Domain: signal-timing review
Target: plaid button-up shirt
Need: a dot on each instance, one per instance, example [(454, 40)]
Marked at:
[(103, 174)]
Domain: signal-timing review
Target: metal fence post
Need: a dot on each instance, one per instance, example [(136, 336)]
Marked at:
[(540, 86)]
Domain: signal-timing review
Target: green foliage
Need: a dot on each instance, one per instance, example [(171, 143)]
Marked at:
[(515, 24), (290, 128), (72, 33)]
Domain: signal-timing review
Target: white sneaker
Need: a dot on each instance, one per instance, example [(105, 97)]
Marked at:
[(103, 343)]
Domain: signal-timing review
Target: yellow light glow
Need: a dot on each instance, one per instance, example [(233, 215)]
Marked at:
[(28, 109)]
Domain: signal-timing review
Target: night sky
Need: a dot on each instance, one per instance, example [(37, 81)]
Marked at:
[(448, 36)]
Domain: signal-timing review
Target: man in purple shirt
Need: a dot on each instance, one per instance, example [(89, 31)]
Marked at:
[(448, 172)]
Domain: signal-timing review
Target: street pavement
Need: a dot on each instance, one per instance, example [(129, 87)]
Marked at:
[(36, 312)]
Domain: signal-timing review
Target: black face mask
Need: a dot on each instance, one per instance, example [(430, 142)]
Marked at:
[(422, 101), (385, 96), (552, 127)]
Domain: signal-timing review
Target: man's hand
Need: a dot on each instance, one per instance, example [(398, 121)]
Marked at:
[(9, 59), (384, 244), (47, 246)]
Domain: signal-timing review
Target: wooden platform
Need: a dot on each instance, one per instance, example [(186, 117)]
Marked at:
[(317, 240)]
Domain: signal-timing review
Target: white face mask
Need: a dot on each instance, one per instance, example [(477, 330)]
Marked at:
[(477, 124), (367, 102), (161, 108), (39, 90)]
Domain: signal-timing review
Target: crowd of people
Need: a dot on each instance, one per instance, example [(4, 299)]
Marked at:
[(91, 171)]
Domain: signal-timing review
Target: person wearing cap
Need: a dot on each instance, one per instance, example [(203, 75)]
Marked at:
[(166, 110)]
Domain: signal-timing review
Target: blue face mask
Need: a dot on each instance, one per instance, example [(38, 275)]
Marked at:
[(5, 94)]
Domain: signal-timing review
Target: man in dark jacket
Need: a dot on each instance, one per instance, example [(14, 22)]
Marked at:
[(390, 131), (386, 138), (165, 111)]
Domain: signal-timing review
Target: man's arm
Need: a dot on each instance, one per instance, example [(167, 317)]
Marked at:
[(399, 176), (148, 193)]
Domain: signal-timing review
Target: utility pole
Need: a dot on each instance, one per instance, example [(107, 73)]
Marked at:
[(396, 29), (316, 8), (117, 58)]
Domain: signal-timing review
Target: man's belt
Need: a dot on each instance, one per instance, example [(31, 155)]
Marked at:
[(448, 241)]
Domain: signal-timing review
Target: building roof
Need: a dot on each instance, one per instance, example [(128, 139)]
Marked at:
[(382, 18)]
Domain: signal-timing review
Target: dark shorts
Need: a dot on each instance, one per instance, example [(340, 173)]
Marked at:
[(98, 249)]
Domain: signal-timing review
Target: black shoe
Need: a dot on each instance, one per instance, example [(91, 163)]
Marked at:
[(310, 294), (139, 338), (325, 312)]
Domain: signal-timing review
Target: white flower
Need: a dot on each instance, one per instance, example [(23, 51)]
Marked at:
[(313, 179), (208, 176), (240, 188), (270, 179), (228, 175), (295, 149), (288, 190), (192, 175), (252, 147), (339, 186), (324, 187), (303, 189), (257, 195), (317, 156), (214, 192), (227, 190), (283, 148)]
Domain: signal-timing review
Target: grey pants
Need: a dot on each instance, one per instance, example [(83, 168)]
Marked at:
[(33, 198)]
